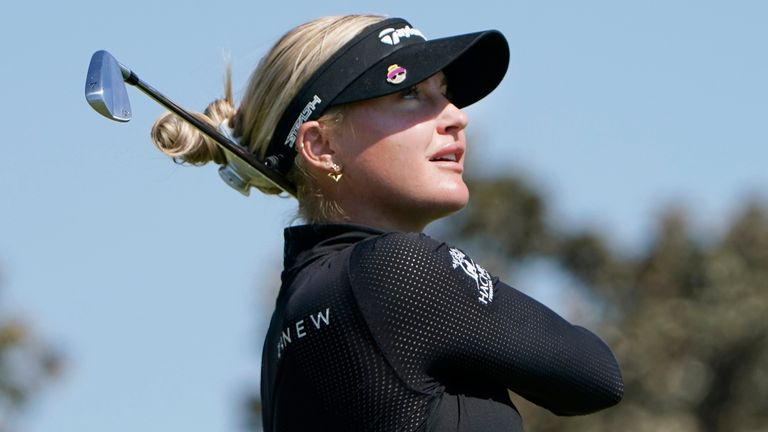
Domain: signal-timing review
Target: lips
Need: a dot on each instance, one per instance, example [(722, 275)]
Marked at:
[(451, 157), (451, 153)]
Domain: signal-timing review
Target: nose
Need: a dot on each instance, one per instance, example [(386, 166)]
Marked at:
[(452, 120)]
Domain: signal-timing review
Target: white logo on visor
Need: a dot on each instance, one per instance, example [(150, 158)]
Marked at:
[(392, 36), (305, 113)]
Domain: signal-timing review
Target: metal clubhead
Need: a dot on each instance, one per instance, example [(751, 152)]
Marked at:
[(105, 89)]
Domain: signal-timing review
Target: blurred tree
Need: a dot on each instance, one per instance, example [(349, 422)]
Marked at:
[(686, 317), (25, 365)]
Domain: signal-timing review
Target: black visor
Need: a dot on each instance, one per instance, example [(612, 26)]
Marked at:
[(385, 58)]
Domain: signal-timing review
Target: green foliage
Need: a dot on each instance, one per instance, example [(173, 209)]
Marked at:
[(26, 364), (686, 317), (514, 227)]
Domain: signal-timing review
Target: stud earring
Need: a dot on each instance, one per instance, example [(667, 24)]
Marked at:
[(336, 173)]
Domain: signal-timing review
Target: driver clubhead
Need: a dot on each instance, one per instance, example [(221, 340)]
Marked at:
[(105, 89)]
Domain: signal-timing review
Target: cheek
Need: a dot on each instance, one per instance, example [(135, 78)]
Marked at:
[(380, 128), (390, 153), (383, 151)]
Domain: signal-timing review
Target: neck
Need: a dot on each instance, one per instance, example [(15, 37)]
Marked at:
[(384, 221)]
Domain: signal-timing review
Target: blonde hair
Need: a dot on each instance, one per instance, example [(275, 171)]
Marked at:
[(276, 80)]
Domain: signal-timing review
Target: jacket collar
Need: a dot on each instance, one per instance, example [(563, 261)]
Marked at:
[(306, 243)]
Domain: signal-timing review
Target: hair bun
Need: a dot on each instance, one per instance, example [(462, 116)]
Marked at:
[(185, 143)]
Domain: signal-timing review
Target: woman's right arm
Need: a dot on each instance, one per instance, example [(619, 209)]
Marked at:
[(436, 313)]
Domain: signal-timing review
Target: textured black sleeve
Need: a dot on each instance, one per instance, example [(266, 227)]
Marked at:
[(437, 316)]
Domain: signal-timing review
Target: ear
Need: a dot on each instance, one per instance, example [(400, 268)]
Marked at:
[(314, 145)]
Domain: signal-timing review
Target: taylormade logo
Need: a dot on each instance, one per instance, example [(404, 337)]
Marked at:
[(305, 113), (392, 36)]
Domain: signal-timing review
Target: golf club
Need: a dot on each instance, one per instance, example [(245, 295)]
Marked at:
[(106, 93)]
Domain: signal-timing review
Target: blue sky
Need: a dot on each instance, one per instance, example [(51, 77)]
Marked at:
[(153, 278)]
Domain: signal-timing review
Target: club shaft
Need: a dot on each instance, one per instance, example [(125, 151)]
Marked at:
[(207, 129)]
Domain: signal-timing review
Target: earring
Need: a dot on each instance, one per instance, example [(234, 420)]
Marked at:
[(336, 173)]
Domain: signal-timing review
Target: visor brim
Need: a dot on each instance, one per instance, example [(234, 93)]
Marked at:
[(474, 65)]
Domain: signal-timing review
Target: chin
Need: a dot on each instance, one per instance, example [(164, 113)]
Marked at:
[(451, 199)]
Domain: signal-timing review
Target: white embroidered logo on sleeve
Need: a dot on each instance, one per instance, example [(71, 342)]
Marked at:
[(481, 277)]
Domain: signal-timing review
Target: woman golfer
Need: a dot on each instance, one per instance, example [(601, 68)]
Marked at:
[(378, 327)]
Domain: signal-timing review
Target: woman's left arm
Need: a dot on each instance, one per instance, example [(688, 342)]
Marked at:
[(438, 315)]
